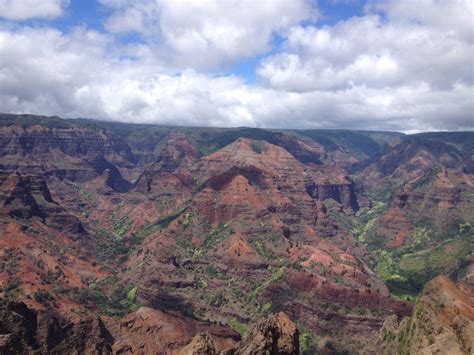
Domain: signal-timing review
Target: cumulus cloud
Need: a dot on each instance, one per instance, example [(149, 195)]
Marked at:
[(25, 9), (370, 51), (388, 69), (207, 33)]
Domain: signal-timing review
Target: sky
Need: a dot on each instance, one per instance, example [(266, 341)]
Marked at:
[(405, 65)]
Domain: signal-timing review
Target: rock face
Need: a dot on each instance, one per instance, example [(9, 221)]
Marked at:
[(26, 331), (423, 227), (442, 323), (79, 142), (276, 335), (441, 191), (202, 344), (28, 196), (150, 331), (343, 194), (251, 221), (76, 154), (21, 199), (175, 151), (418, 154)]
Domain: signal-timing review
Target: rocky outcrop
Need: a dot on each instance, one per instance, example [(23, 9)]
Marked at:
[(151, 331), (175, 151), (24, 330), (442, 323), (22, 190), (27, 331), (28, 196), (275, 335), (342, 193), (202, 344)]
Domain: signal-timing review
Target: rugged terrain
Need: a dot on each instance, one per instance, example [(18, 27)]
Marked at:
[(442, 323), (140, 238)]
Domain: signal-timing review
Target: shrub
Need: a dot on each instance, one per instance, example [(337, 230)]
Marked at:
[(237, 326), (257, 147), (218, 300), (307, 341), (43, 297)]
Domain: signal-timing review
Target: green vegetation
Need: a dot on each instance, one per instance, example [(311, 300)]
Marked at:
[(218, 300), (109, 245), (463, 140), (262, 250), (43, 297), (257, 147), (406, 275), (297, 263), (308, 344), (138, 237), (32, 120), (240, 328), (146, 230), (197, 182), (211, 271), (132, 295), (258, 288), (441, 259), (120, 225), (166, 220), (423, 255), (119, 301), (388, 336), (425, 179), (362, 225), (362, 144), (406, 335), (387, 267), (211, 140), (212, 239), (366, 220), (187, 219)]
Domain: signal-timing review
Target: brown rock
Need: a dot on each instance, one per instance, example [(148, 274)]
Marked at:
[(202, 344), (151, 331), (274, 335), (442, 323), (27, 331)]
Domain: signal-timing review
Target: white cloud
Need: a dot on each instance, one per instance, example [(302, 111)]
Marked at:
[(207, 33), (452, 16), (370, 51), (364, 73), (126, 20), (25, 9)]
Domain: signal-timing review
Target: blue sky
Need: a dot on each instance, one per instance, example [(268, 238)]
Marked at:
[(376, 64)]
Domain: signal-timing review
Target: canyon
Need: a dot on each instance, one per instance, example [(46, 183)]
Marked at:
[(123, 238)]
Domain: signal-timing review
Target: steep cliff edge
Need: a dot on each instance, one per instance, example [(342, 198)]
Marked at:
[(276, 335), (24, 330), (442, 323), (27, 331)]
